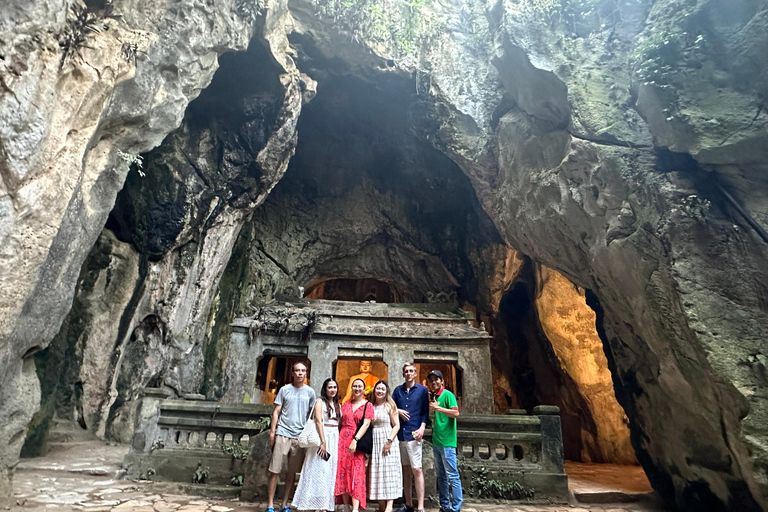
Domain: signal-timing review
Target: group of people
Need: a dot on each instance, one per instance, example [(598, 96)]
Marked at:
[(335, 472)]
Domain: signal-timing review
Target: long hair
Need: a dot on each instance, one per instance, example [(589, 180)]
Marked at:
[(387, 397), (331, 403)]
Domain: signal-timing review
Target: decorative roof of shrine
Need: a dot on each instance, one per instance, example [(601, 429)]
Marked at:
[(311, 317)]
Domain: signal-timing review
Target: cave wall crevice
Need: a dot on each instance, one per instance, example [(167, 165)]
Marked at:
[(673, 269), (181, 216)]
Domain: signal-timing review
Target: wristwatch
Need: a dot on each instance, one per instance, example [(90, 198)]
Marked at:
[(356, 439), (390, 440)]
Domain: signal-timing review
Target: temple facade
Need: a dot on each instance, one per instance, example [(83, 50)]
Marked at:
[(347, 340), (512, 456)]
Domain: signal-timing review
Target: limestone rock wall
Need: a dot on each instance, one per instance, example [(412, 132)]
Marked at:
[(76, 371), (610, 141), (569, 324), (70, 130), (183, 217), (574, 168), (622, 214)]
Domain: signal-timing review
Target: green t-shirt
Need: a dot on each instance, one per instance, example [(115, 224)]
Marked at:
[(444, 429)]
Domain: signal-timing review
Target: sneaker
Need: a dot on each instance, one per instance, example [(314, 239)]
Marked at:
[(404, 508), (285, 509), (270, 509)]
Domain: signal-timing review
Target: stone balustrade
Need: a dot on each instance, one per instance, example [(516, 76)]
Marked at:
[(184, 435), (513, 456)]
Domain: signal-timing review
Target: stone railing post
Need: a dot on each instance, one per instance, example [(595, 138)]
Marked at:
[(552, 456)]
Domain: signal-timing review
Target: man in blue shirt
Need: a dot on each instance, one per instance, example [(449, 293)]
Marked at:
[(412, 400)]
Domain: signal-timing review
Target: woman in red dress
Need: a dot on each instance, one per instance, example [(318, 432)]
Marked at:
[(350, 475)]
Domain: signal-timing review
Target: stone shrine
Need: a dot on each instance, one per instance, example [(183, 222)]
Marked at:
[(514, 456), (346, 340)]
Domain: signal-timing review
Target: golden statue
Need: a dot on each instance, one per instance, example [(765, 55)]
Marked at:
[(366, 376)]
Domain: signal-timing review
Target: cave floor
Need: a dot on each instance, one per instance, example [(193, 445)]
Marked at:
[(86, 475)]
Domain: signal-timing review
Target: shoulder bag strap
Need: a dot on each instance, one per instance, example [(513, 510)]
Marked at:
[(311, 411)]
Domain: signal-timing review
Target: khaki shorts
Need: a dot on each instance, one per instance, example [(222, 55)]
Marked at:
[(287, 452), (410, 453)]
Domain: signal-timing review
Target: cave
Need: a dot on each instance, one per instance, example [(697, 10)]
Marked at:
[(364, 197), (356, 290), (551, 353), (582, 181)]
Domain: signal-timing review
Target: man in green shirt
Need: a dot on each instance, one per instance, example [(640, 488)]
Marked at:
[(444, 443)]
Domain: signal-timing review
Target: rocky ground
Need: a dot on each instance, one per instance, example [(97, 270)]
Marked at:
[(83, 474)]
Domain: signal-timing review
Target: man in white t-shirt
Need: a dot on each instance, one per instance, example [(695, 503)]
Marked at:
[(292, 407)]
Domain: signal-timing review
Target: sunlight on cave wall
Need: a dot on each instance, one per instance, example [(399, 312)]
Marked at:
[(569, 323)]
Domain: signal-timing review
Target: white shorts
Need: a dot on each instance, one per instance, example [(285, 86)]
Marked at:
[(410, 453)]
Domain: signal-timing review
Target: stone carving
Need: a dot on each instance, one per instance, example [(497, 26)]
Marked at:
[(282, 320)]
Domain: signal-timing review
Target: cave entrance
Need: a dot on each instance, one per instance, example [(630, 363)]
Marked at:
[(274, 372), (354, 290), (546, 344)]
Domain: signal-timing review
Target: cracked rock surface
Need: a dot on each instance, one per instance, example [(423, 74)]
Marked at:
[(621, 144)]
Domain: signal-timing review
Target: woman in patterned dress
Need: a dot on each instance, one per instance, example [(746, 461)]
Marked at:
[(386, 473), (350, 475), (318, 475)]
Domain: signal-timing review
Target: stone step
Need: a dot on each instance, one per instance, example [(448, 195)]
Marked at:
[(602, 497), (40, 465), (65, 431), (220, 492)]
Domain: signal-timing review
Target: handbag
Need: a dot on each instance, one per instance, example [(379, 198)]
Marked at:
[(309, 436), (365, 443)]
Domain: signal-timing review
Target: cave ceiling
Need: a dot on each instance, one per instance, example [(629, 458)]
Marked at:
[(439, 149)]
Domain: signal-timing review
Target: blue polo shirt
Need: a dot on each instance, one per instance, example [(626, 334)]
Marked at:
[(416, 402)]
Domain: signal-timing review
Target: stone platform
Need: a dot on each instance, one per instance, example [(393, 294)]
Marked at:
[(85, 476), (608, 483), (509, 457)]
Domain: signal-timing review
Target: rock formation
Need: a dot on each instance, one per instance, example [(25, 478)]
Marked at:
[(619, 143)]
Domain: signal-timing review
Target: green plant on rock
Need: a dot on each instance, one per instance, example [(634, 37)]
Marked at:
[(236, 450), (666, 49), (200, 475), (237, 481), (483, 487), (148, 474), (263, 423), (81, 24), (131, 160), (130, 52), (249, 9), (403, 27), (159, 444)]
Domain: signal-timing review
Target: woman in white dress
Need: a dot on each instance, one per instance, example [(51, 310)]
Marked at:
[(318, 475), (385, 470)]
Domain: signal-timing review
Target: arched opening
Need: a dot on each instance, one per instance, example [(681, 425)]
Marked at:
[(354, 290), (548, 350), (553, 355)]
